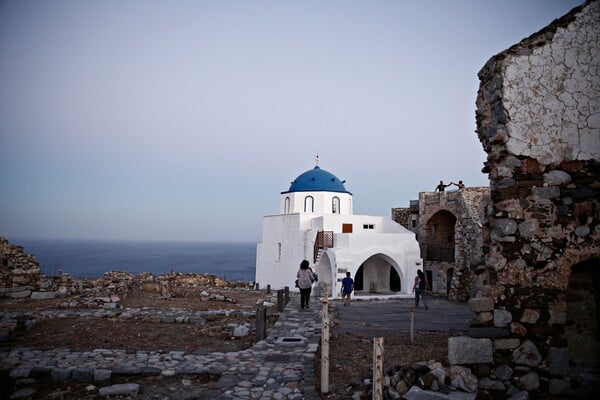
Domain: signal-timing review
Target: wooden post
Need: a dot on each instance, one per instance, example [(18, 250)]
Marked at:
[(412, 325), (287, 294), (268, 289), (377, 368), (261, 322), (325, 348), (280, 300)]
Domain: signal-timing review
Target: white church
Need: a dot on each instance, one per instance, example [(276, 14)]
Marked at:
[(316, 223)]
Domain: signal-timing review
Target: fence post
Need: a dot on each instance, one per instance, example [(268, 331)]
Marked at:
[(377, 368), (412, 325), (287, 294), (261, 322), (280, 300), (325, 347)]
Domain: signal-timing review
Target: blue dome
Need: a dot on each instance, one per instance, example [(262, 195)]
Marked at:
[(317, 180)]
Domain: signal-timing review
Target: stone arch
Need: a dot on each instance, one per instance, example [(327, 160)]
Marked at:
[(440, 236)]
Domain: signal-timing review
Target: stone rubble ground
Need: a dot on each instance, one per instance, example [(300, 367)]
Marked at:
[(279, 367)]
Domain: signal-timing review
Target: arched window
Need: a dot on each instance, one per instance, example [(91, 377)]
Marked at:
[(335, 205), (309, 204), (286, 206)]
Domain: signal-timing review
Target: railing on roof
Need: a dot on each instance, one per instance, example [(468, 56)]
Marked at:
[(324, 240), (439, 253)]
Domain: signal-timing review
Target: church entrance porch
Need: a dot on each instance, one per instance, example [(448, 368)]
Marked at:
[(376, 276)]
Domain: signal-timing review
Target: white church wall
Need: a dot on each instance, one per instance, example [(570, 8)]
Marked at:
[(322, 202), (282, 249)]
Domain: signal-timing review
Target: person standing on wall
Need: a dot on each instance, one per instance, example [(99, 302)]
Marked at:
[(305, 281), (420, 287), (347, 288), (442, 186), (459, 185)]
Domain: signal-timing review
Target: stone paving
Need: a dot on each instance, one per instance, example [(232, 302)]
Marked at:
[(279, 367)]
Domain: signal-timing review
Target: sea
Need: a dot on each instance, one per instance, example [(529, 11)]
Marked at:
[(93, 258)]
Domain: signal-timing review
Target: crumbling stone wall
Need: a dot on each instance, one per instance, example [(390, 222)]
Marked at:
[(538, 118), (17, 268), (467, 206)]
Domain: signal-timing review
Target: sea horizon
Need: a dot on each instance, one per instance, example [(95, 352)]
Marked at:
[(94, 257)]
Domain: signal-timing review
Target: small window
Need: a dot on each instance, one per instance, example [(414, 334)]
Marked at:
[(286, 207), (309, 204), (278, 251), (335, 205), (368, 226)]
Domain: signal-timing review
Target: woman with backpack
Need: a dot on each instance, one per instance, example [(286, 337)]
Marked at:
[(305, 279), (420, 287)]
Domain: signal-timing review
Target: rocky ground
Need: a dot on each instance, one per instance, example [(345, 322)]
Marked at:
[(350, 355)]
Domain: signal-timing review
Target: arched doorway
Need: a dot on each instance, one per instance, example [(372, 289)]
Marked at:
[(377, 275), (582, 328), (324, 270), (439, 232)]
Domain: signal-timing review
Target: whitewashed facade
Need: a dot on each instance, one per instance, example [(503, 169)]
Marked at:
[(381, 255)]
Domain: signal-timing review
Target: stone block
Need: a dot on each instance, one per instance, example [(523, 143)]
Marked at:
[(101, 375), (529, 316), (502, 318), (506, 344), (121, 389), (545, 192), (480, 304), (19, 294), (43, 295), (466, 350), (527, 354), (556, 178)]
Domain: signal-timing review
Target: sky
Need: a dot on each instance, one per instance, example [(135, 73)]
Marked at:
[(185, 120)]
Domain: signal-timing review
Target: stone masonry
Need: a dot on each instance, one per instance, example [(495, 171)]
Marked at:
[(538, 294), (449, 229)]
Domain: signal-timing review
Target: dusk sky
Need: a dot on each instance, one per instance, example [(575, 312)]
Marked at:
[(185, 120)]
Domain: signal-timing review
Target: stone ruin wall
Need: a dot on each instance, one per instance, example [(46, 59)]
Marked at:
[(17, 268), (21, 278), (468, 207), (470, 234), (538, 118)]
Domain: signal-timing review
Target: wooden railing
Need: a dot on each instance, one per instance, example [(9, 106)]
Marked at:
[(439, 253), (324, 240)]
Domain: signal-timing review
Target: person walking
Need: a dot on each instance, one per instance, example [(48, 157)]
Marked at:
[(305, 281), (420, 287), (347, 288)]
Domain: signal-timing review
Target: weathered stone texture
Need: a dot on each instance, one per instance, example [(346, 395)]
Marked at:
[(538, 119), (459, 214), (17, 268)]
